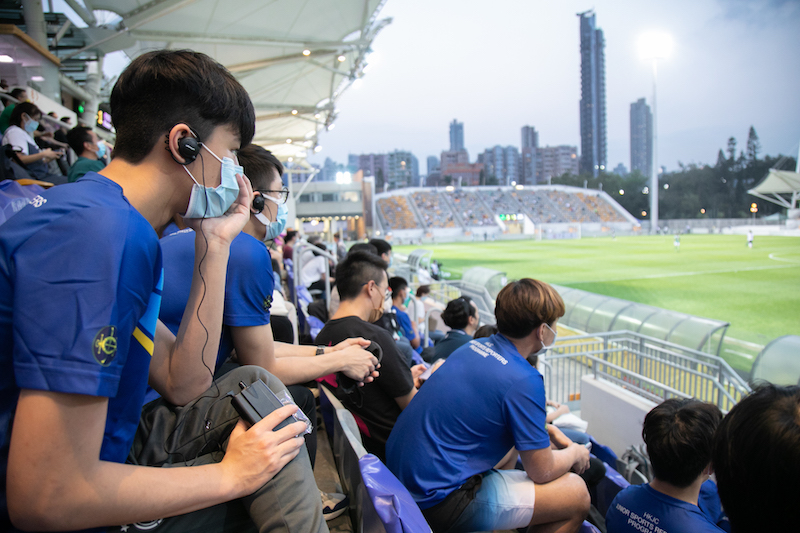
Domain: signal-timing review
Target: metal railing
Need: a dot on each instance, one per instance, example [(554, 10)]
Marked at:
[(298, 264), (649, 367)]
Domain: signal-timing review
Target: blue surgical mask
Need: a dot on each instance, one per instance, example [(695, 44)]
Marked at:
[(274, 228), (31, 125), (101, 149), (211, 202)]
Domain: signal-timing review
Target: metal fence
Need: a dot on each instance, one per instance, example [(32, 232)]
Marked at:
[(649, 367)]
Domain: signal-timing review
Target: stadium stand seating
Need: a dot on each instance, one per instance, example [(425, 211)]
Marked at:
[(434, 210), (397, 213), (479, 207), (471, 209), (601, 208)]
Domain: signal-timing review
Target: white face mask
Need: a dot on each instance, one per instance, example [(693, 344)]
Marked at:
[(546, 347)]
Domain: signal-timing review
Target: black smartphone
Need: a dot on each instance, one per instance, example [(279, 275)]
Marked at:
[(257, 401)]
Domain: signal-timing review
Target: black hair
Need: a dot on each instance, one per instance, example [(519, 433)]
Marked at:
[(356, 270), (397, 284), (382, 246), (363, 247), (456, 314), (16, 93), (679, 434), (65, 119), (259, 165), (163, 88), (756, 458), (422, 290), (26, 108), (291, 234), (321, 246), (77, 136), (487, 330)]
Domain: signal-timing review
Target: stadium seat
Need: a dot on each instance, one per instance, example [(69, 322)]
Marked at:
[(387, 507), (586, 527), (602, 452), (608, 488)]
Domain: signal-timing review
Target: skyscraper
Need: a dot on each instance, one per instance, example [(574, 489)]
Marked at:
[(502, 163), (641, 138), (593, 96), (456, 136), (530, 142), (530, 137)]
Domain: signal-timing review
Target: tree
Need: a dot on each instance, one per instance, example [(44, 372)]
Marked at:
[(448, 179), (731, 150), (753, 146)]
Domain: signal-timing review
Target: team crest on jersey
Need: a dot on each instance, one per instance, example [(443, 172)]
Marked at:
[(267, 303), (38, 200), (104, 347)]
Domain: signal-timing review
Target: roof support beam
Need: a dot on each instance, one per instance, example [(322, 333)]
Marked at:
[(193, 37), (85, 14)]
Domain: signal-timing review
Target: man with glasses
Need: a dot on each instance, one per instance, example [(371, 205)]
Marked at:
[(364, 291), (249, 287)]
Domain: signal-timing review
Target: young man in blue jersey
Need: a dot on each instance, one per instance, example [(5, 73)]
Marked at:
[(452, 445), (679, 434), (248, 294), (80, 283)]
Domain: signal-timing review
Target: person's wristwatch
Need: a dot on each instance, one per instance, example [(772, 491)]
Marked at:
[(320, 350)]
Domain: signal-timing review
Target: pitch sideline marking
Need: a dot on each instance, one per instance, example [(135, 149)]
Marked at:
[(679, 274)]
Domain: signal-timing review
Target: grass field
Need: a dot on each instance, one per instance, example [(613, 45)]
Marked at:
[(716, 276)]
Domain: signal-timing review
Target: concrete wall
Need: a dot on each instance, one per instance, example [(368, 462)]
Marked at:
[(615, 415)]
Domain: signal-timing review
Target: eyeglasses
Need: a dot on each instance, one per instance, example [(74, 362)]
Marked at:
[(283, 193)]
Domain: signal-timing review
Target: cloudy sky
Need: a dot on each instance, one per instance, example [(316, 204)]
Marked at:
[(501, 64)]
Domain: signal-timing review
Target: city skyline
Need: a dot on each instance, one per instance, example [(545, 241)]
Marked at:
[(415, 87)]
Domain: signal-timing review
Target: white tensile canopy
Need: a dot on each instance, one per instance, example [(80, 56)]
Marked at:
[(779, 183), (294, 57)]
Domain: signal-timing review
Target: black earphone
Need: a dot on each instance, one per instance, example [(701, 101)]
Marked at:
[(188, 149), (258, 203)]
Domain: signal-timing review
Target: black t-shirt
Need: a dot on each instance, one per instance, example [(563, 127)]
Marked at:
[(374, 403)]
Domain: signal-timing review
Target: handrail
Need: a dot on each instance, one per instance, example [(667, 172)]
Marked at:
[(297, 267), (695, 371)]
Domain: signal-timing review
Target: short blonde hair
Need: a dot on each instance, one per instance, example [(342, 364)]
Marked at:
[(522, 306)]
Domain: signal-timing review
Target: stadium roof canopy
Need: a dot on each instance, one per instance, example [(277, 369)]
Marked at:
[(294, 57), (776, 184)]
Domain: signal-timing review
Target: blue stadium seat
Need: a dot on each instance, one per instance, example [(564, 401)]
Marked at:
[(602, 452), (608, 488), (388, 506), (586, 527)]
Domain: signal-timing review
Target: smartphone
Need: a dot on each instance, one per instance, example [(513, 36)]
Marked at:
[(257, 401)]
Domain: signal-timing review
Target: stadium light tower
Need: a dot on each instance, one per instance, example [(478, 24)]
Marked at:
[(652, 47)]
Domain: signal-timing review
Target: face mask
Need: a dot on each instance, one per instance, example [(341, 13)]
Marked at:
[(101, 149), (376, 313), (31, 125), (211, 202), (544, 347), (407, 301), (274, 228)]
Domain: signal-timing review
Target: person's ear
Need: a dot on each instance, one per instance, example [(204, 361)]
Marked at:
[(178, 133)]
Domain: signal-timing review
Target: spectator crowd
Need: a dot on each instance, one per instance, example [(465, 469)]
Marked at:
[(147, 295)]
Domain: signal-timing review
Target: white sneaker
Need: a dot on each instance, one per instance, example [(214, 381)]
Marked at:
[(333, 504)]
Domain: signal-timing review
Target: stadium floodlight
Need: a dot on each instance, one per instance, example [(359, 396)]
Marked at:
[(343, 178), (652, 47)]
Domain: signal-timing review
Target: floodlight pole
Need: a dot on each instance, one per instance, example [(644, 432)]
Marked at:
[(654, 178)]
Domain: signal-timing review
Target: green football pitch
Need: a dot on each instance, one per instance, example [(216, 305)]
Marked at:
[(715, 276)]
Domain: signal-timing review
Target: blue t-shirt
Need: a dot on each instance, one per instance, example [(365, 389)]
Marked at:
[(438, 443), (79, 291), (641, 508), (248, 284), (405, 323)]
